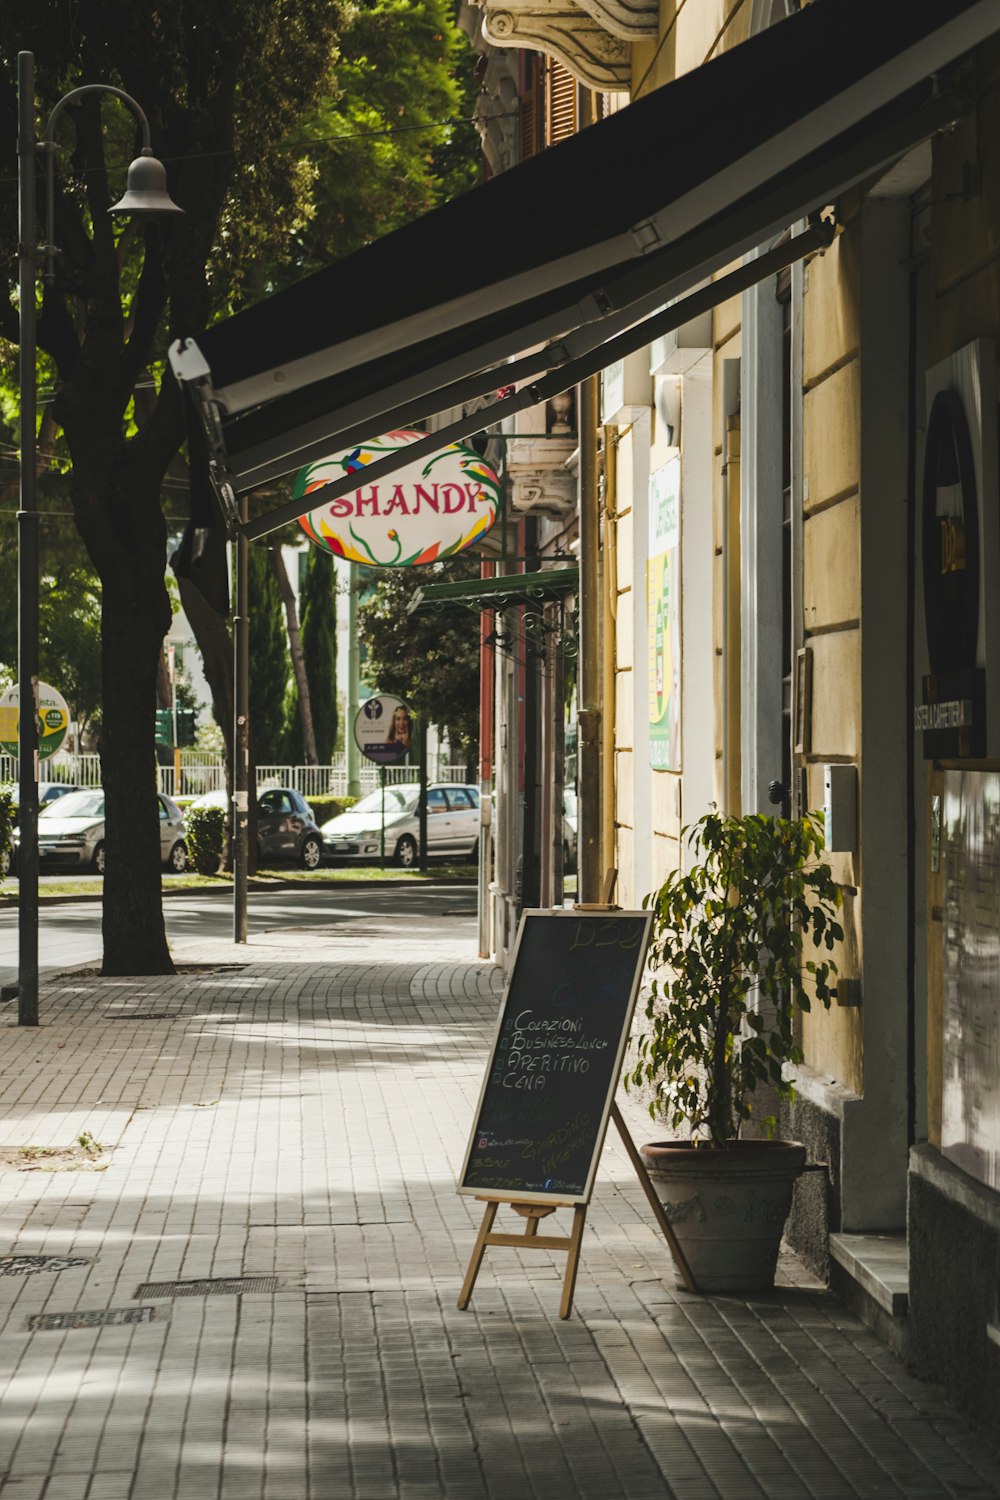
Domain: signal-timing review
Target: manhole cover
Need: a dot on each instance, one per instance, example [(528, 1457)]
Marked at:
[(106, 1317), (27, 1265), (225, 1286)]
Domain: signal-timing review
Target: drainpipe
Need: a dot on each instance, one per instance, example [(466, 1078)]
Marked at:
[(732, 634), (487, 692), (353, 685), (590, 872), (609, 561)]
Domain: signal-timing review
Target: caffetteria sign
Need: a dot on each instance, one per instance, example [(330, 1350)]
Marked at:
[(426, 511)]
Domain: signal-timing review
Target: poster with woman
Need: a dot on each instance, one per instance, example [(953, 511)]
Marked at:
[(663, 578), (383, 729)]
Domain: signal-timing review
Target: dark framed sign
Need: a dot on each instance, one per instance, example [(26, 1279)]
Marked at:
[(557, 1056), (952, 715)]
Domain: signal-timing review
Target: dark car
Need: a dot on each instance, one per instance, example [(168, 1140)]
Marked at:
[(286, 828)]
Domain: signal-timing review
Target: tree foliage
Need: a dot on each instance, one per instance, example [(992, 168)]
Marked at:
[(395, 136), (431, 660)]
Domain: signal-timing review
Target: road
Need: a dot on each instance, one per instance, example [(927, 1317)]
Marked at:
[(70, 933)]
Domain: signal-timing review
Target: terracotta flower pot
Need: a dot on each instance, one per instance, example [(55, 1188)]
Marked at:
[(727, 1206)]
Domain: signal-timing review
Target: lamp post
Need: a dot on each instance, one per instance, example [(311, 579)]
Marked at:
[(145, 195)]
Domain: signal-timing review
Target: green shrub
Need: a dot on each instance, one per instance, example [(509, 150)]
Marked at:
[(325, 808), (732, 939), (7, 812), (206, 834)]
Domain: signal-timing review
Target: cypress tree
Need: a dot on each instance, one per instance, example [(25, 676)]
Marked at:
[(318, 609), (270, 666)]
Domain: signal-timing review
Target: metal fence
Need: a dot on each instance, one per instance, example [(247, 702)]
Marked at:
[(200, 773)]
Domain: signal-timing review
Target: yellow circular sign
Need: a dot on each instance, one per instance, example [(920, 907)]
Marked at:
[(53, 720)]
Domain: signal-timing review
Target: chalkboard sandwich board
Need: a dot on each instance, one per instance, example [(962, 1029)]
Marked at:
[(556, 1057)]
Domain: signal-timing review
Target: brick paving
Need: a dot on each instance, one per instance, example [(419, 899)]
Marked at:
[(297, 1111)]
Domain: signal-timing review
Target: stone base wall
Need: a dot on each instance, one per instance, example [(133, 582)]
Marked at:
[(815, 1211), (954, 1240)]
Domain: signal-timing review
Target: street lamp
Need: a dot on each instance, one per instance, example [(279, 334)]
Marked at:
[(145, 195)]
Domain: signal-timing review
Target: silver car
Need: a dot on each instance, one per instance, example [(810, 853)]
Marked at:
[(452, 825), (71, 832)]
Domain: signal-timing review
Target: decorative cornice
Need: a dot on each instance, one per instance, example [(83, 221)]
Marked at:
[(568, 32), (632, 20)]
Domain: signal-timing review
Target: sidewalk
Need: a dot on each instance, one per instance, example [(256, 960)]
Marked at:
[(281, 1131)]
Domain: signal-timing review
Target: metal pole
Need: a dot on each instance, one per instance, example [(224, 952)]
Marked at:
[(171, 654), (589, 685), (241, 731), (27, 559), (353, 674), (381, 857), (422, 803)]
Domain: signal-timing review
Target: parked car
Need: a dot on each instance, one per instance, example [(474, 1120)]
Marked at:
[(452, 825), (569, 830), (48, 791), (286, 827), (71, 832)]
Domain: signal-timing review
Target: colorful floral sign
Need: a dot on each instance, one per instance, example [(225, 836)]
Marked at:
[(427, 511)]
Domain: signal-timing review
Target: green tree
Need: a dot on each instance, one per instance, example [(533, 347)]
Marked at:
[(396, 135), (319, 647), (223, 83), (228, 87), (270, 667), (431, 660)]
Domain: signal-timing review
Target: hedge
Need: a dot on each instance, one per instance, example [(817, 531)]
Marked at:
[(206, 836), (7, 815)]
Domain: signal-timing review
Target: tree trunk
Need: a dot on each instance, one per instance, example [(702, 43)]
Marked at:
[(298, 661), (117, 508), (135, 619)]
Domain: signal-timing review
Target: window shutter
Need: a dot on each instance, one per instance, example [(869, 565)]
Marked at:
[(562, 95)]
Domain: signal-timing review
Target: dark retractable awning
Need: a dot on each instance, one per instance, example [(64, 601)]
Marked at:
[(576, 245)]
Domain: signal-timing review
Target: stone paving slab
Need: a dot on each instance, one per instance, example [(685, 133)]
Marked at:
[(297, 1110)]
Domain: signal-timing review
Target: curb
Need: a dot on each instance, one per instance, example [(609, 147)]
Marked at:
[(9, 903)]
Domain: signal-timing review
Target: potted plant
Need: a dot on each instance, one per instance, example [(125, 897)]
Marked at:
[(734, 955)]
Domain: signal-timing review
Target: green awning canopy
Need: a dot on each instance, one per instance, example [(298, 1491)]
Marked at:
[(496, 593)]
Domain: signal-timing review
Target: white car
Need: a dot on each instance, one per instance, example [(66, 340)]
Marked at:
[(452, 825), (71, 832)]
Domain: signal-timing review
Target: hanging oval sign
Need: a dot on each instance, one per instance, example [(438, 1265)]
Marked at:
[(424, 512), (53, 720)]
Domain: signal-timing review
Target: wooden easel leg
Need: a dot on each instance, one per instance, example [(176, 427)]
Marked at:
[(573, 1261), (666, 1228), (478, 1251)]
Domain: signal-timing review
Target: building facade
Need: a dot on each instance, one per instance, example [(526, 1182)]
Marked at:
[(799, 540)]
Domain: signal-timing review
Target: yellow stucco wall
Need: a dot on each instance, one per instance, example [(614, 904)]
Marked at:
[(831, 590)]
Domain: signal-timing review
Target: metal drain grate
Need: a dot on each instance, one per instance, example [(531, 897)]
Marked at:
[(224, 1286), (150, 1015), (106, 1317), (27, 1265)]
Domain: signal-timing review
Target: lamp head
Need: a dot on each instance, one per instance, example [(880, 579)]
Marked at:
[(146, 195)]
